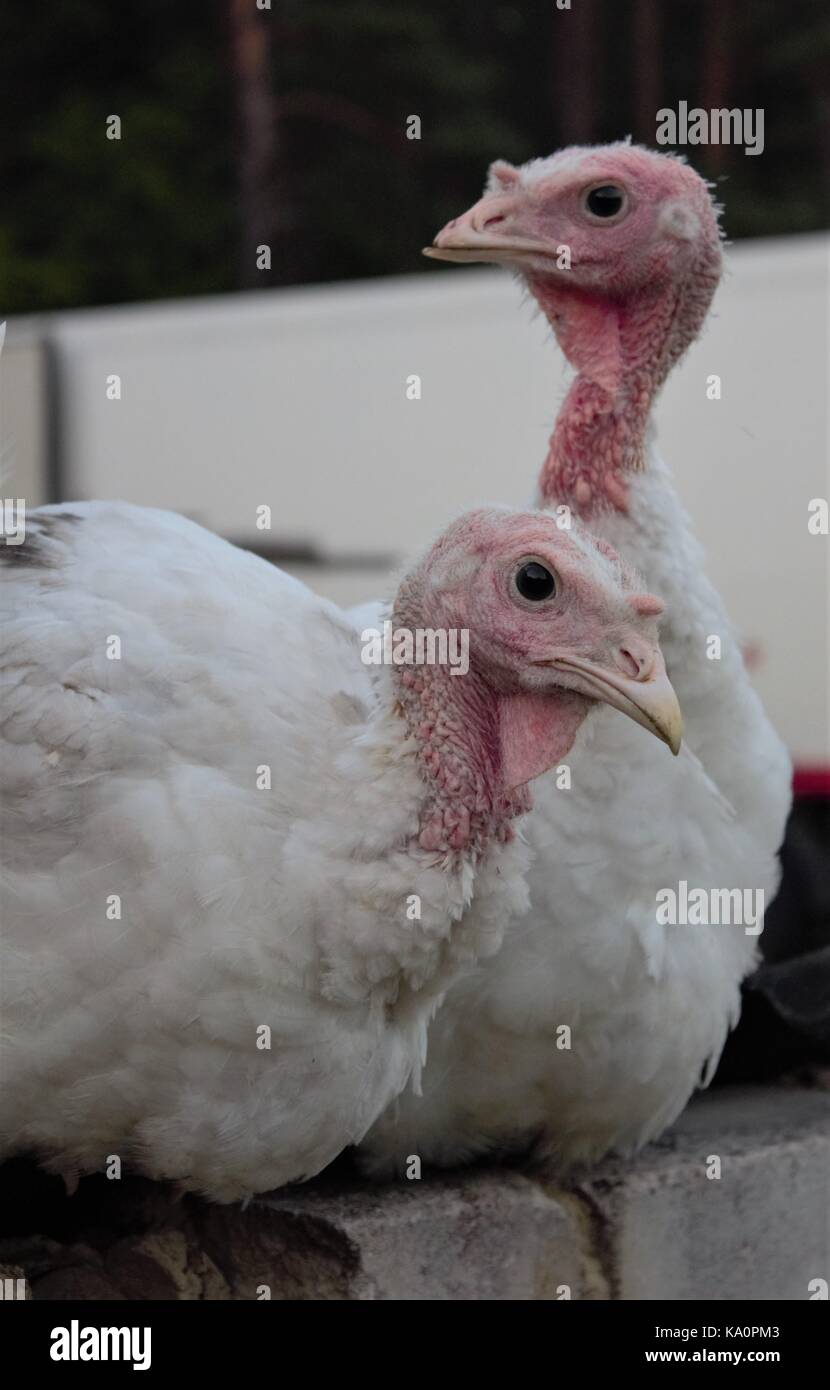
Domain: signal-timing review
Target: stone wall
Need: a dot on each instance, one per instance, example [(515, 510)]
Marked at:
[(655, 1228)]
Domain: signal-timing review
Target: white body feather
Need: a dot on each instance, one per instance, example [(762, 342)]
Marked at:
[(240, 907)]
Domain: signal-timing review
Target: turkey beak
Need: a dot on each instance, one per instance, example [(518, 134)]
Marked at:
[(488, 231), (648, 698)]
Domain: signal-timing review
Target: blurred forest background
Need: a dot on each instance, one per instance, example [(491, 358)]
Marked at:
[(286, 126)]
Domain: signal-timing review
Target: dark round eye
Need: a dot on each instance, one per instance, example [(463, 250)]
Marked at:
[(605, 201), (534, 582)]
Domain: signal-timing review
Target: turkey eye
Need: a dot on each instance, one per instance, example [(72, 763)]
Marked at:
[(605, 201), (534, 582)]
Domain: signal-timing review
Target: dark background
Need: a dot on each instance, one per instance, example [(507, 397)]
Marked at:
[(287, 127)]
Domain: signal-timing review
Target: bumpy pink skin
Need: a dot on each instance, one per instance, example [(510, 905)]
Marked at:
[(634, 298), (648, 284), (482, 736)]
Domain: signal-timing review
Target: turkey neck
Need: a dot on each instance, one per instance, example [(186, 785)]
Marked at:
[(455, 722), (599, 440)]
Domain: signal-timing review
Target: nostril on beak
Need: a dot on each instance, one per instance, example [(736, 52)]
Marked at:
[(483, 219), (633, 665)]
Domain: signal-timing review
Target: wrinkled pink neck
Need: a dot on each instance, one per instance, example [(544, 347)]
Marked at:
[(455, 723), (598, 442), (623, 350)]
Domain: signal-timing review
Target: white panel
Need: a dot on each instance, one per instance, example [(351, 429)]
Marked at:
[(297, 398), (23, 418)]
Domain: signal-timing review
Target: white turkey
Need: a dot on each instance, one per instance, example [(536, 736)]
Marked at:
[(598, 1020), (240, 864)]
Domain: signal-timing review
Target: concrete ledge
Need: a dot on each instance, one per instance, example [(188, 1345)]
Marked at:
[(488, 1235), (654, 1228), (760, 1231)]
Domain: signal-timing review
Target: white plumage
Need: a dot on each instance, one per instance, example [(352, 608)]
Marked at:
[(648, 1005), (138, 777), (212, 824)]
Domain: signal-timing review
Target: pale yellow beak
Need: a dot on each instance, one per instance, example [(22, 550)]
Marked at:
[(649, 701), (488, 231)]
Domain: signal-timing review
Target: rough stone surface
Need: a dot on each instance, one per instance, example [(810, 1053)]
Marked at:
[(653, 1228), (760, 1231), (483, 1235)]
